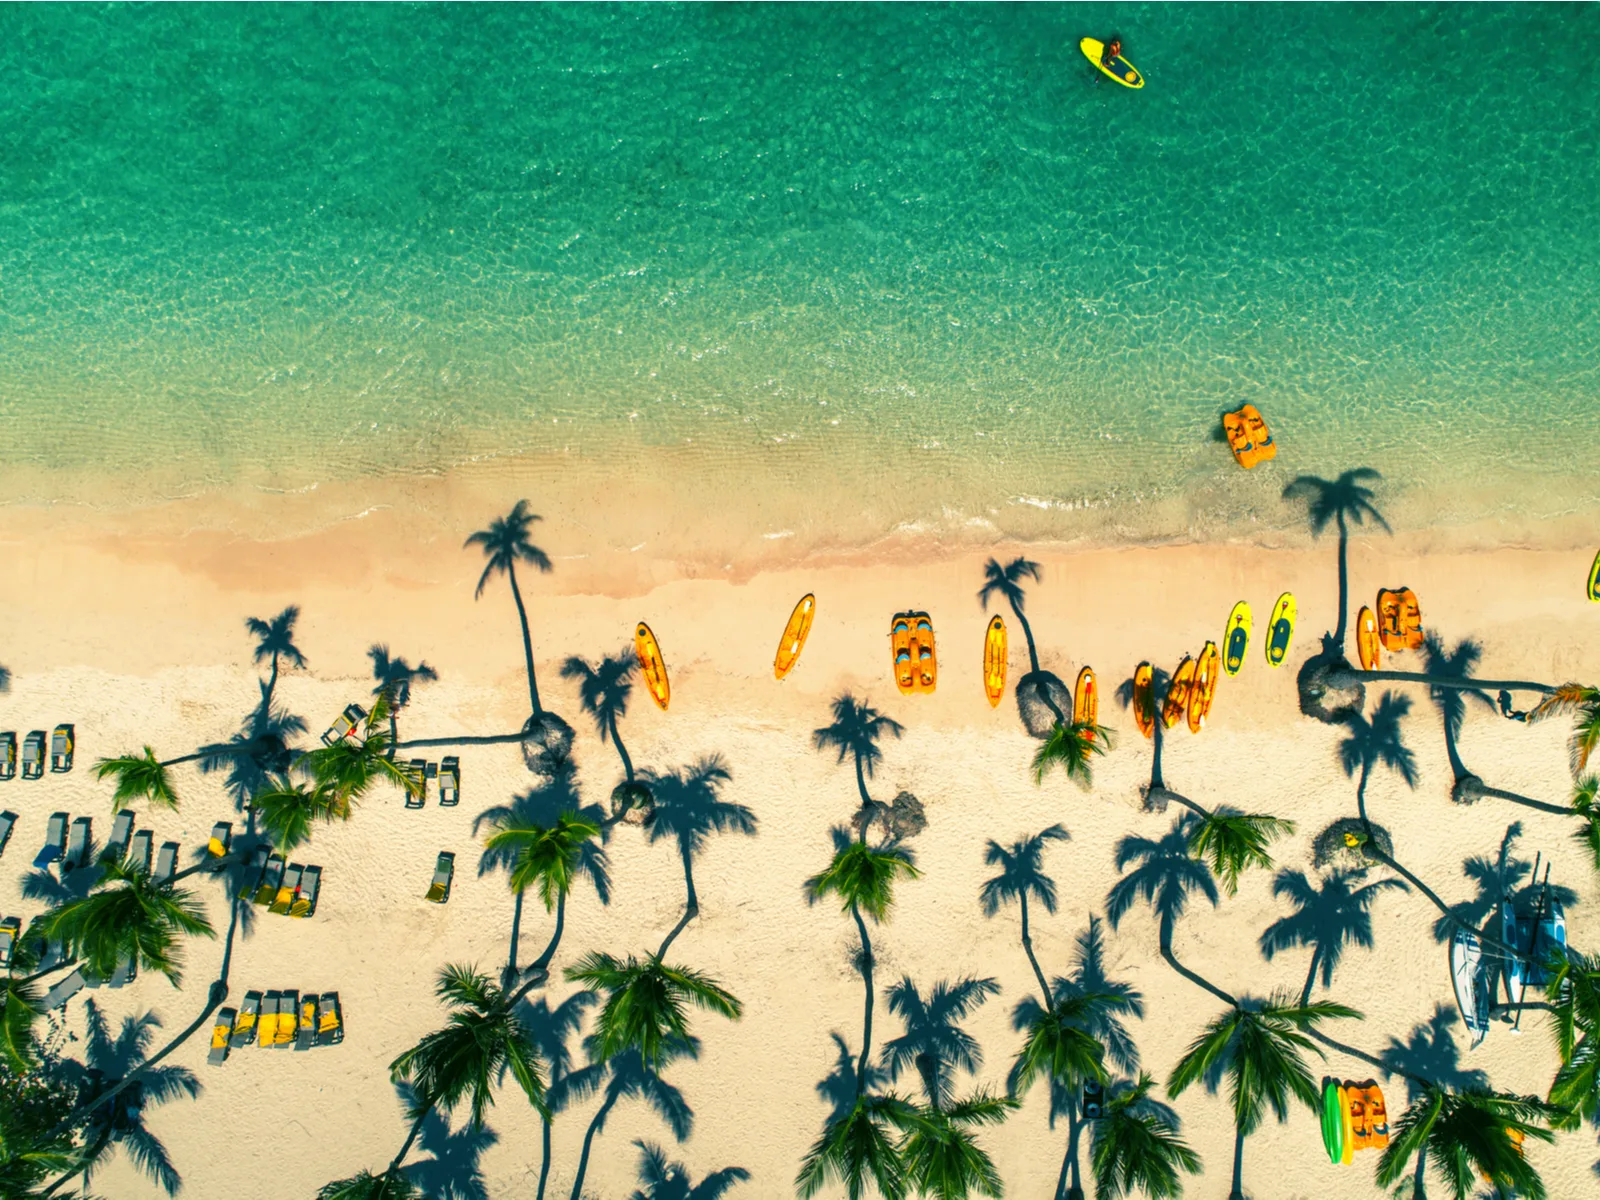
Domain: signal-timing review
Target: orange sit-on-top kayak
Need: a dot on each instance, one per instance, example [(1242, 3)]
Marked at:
[(1086, 700), (651, 665), (994, 662), (1178, 693), (1144, 708), (794, 636), (1367, 643), (1206, 670)]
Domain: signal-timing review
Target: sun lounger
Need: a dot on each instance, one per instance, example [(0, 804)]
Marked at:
[(63, 991), (267, 889), (347, 725), (450, 782), (10, 931), (417, 768), (55, 841), (33, 755), (8, 755), (244, 1025), (267, 1026), (49, 951), (221, 838), (121, 832), (306, 1036), (221, 1034), (8, 822), (167, 861), (288, 1019), (139, 851), (286, 890), (444, 870), (62, 743), (78, 844), (330, 1020), (305, 904), (127, 971)]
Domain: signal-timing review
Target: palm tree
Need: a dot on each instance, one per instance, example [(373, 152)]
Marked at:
[(550, 859), (348, 769), (274, 641), (108, 1060), (646, 1004), (1022, 875), (858, 1147), (138, 777), (941, 1153), (130, 915), (628, 1076), (688, 809), (604, 689), (672, 1181), (505, 543), (483, 1039), (1006, 582), (932, 1031), (552, 1029), (1257, 1046), (1344, 500), (391, 1185), (1466, 1133), (856, 730), (1574, 992), (1585, 702), (285, 813), (1329, 915), (396, 677), (1586, 807), (1072, 747), (1136, 1147)]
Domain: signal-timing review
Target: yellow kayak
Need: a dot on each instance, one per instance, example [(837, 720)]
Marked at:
[(794, 636), (994, 662), (1123, 71), (651, 665)]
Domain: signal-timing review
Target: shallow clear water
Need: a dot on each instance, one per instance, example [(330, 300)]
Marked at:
[(826, 248)]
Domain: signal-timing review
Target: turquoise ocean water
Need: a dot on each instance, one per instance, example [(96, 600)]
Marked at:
[(921, 259)]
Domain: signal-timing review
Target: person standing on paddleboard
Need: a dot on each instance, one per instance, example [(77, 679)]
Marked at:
[(1108, 56)]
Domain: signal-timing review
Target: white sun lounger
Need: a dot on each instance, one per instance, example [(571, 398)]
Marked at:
[(8, 822), (121, 832), (450, 782), (55, 841), (62, 743), (167, 860), (139, 853), (63, 991), (78, 844), (8, 755), (127, 971), (33, 755)]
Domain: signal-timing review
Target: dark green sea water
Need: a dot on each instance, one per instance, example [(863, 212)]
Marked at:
[(817, 244)]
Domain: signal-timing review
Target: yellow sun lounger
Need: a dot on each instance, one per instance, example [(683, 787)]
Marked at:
[(288, 1010), (221, 838), (221, 1032), (244, 1025), (310, 884), (307, 1036), (330, 1020), (267, 892), (286, 890), (444, 870), (267, 1026)]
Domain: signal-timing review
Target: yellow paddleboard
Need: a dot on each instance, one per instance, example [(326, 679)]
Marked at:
[(651, 665), (1347, 1124), (1205, 687), (994, 662), (1144, 713), (1594, 580), (1236, 637), (1086, 700), (1367, 639), (1178, 693), (794, 636), (1124, 73), (1280, 630)]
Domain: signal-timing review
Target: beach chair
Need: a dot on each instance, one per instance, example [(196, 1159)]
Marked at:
[(62, 743), (140, 850), (121, 833), (450, 782), (288, 1019), (221, 1037), (444, 870), (305, 904), (10, 932), (8, 755), (63, 991), (267, 1025), (167, 861), (78, 844), (348, 724), (49, 951), (244, 1025), (330, 1020), (267, 889), (286, 889), (221, 838), (306, 1036), (55, 842), (8, 822), (33, 755), (417, 768), (127, 971)]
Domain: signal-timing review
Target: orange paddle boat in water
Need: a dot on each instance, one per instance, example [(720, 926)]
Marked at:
[(1178, 693), (1399, 619), (1248, 436), (994, 662), (652, 666)]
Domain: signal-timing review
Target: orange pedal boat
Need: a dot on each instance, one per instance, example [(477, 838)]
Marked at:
[(1178, 693), (794, 636), (1206, 669), (994, 662), (652, 666), (1399, 619), (1248, 436), (916, 664)]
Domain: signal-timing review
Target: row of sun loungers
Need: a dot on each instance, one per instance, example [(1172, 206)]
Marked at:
[(63, 742), (288, 889), (276, 1020), (447, 772)]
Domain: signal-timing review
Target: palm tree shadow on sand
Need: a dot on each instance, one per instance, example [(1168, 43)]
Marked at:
[(1043, 700), (838, 1088), (1506, 876), (663, 1180), (1430, 1052), (452, 1170), (854, 734)]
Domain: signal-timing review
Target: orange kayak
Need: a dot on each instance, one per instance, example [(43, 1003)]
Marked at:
[(1144, 710), (1248, 436), (1367, 639), (922, 652), (994, 662), (794, 636), (1178, 693), (1206, 670), (651, 665), (1086, 699), (1399, 619)]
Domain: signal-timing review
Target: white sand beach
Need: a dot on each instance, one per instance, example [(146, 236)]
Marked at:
[(134, 632)]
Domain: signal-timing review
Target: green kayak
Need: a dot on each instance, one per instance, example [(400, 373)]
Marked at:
[(1332, 1121)]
